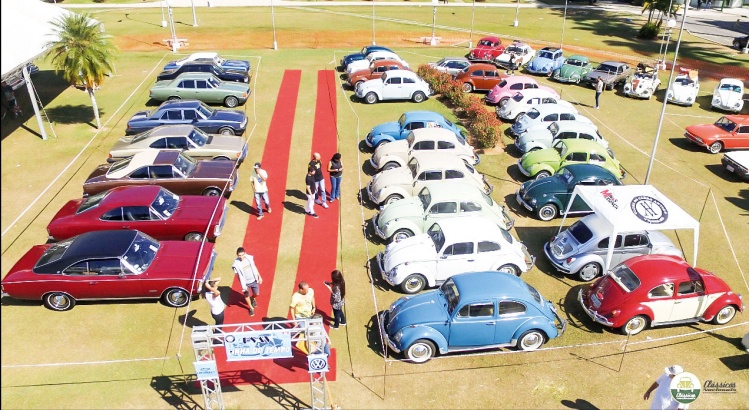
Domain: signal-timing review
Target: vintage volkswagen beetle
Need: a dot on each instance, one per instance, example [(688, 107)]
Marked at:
[(547, 60), (407, 122), (541, 138), (522, 101), (545, 162), (684, 89), (644, 83), (398, 153), (728, 95), (394, 85), (573, 70), (522, 53), (543, 115)]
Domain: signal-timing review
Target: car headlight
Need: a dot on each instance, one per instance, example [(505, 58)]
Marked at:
[(690, 99), (670, 95), (397, 337), (738, 104), (717, 101), (532, 202)]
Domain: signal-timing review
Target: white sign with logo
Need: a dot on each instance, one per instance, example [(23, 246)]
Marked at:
[(206, 370), (256, 345), (317, 363)]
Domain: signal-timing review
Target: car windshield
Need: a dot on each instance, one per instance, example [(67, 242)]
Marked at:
[(625, 278), (683, 81), (452, 297), (414, 167), (502, 84), (185, 164), (606, 67), (580, 232), (486, 43), (517, 97), (198, 137), (119, 165), (205, 110), (425, 198), (568, 177), (533, 114), (436, 234), (410, 139), (142, 136), (141, 253), (545, 54), (534, 293), (513, 49), (91, 202), (730, 87), (165, 203), (553, 128), (725, 124), (219, 60), (214, 82), (401, 121), (54, 253), (577, 63)]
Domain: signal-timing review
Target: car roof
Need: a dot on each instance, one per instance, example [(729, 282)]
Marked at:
[(584, 170), (196, 56), (491, 38), (545, 109), (656, 269), (422, 114), (178, 130), (732, 81), (518, 44), (438, 160), (469, 229), (483, 66), (387, 61), (491, 284), (433, 133), (455, 58), (614, 63), (576, 126), (147, 157), (401, 73), (194, 76), (535, 93), (140, 195), (552, 49), (579, 145), (738, 119), (180, 104), (379, 53), (453, 190), (97, 244)]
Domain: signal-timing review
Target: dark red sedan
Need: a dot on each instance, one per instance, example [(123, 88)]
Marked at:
[(114, 264), (150, 209)]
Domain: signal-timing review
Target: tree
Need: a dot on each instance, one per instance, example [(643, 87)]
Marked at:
[(83, 53), (662, 6)]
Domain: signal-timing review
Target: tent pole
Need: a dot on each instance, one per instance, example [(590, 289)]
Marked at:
[(33, 102)]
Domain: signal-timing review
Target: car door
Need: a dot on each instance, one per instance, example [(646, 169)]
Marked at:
[(690, 301), (414, 125), (477, 78), (473, 325), (601, 250), (171, 116), (550, 118), (392, 88), (77, 280), (738, 138), (488, 253), (423, 146), (426, 178), (144, 219), (660, 299), (635, 244), (439, 211), (511, 315), (186, 89), (456, 258)]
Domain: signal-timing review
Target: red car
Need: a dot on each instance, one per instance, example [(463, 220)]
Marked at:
[(110, 265), (487, 49), (657, 290), (729, 132), (150, 209), (479, 77)]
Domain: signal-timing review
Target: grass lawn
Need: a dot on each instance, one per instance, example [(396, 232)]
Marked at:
[(157, 337)]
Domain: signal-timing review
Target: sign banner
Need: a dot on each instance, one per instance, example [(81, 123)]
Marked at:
[(206, 370), (317, 363), (257, 345)]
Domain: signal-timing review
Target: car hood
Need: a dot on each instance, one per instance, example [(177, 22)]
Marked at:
[(214, 169), (396, 176), (198, 208), (21, 271), (235, 87), (682, 92), (704, 130), (407, 208), (417, 248), (228, 115), (98, 173), (727, 97), (481, 50), (388, 128), (541, 62), (376, 83), (355, 66), (140, 116), (350, 58), (545, 186), (123, 143), (225, 142), (604, 75), (178, 258), (398, 148), (535, 134), (68, 210), (568, 71), (547, 155), (428, 307)]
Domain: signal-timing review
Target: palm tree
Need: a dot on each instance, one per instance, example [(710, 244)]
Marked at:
[(83, 52)]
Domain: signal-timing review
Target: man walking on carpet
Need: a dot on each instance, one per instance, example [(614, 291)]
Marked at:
[(244, 267), (261, 189), (320, 181)]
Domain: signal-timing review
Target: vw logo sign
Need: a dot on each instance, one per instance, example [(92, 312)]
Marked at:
[(229, 339), (317, 363), (649, 209)]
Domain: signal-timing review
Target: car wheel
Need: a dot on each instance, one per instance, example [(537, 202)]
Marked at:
[(589, 271), (715, 147), (231, 101), (222, 158), (371, 98), (510, 269), (725, 315), (194, 236), (576, 79), (609, 86), (226, 131), (381, 143), (736, 44), (531, 340), (634, 325), (212, 192), (413, 283), (418, 97), (548, 212), (467, 87), (59, 301), (392, 198), (503, 101), (176, 297), (401, 234), (391, 165), (174, 98), (420, 351), (542, 174), (358, 84)]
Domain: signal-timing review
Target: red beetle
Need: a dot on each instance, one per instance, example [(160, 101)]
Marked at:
[(487, 49)]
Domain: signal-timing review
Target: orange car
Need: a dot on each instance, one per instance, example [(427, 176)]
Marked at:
[(479, 77), (729, 132), (376, 70)]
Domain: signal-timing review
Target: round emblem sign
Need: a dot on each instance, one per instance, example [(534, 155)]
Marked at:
[(649, 209), (318, 364), (229, 339), (685, 387)]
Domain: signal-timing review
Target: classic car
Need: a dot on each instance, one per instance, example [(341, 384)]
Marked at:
[(549, 197), (685, 87), (545, 162), (205, 67), (349, 58), (209, 120), (407, 122), (150, 209), (372, 57), (521, 53), (115, 264), (658, 290), (547, 60), (487, 49), (737, 162), (728, 132), (522, 101), (740, 42), (412, 216), (582, 248), (479, 77), (203, 87), (171, 169), (424, 168), (644, 82), (513, 84), (451, 65), (449, 247), (478, 310), (238, 65), (543, 115), (611, 72), (573, 70), (728, 95), (376, 70), (195, 142), (394, 85), (398, 153), (541, 138)]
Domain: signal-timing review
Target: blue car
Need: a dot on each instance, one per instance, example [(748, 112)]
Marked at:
[(470, 311), (236, 65), (350, 58), (412, 120), (197, 113), (546, 61)]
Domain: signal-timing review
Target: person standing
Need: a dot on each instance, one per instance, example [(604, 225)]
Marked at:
[(250, 279), (337, 286), (599, 88), (303, 302), (310, 188), (213, 297), (335, 168), (319, 180), (663, 399), (511, 64), (260, 176), (9, 98)]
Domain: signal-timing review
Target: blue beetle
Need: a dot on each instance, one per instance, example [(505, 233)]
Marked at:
[(412, 120)]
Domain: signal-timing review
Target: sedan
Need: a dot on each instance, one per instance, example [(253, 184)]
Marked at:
[(203, 87), (118, 264), (205, 67), (197, 113), (237, 65), (451, 65), (728, 132), (171, 169), (150, 209)]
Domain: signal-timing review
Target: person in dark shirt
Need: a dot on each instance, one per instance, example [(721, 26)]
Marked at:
[(310, 188), (319, 180), (335, 168)]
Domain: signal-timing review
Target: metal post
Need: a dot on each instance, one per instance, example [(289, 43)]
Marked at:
[(565, 15), (664, 104), (171, 24), (515, 22), (273, 22), (204, 351), (373, 22), (163, 20), (32, 95), (434, 16), (195, 19), (471, 33)]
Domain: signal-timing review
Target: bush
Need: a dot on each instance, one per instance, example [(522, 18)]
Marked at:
[(649, 31)]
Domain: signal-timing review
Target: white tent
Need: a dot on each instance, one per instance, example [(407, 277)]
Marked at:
[(633, 208)]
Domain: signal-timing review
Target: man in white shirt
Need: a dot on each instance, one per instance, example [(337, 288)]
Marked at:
[(261, 189), (663, 399), (244, 267)]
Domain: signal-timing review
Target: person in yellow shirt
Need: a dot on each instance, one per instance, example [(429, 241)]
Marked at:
[(303, 302)]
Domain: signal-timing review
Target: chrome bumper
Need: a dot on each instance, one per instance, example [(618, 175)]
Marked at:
[(373, 164), (218, 228), (554, 261), (523, 203), (371, 194), (523, 171), (378, 231), (593, 315), (387, 340)]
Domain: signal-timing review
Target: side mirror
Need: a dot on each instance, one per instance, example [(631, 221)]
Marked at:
[(443, 256), (121, 275)]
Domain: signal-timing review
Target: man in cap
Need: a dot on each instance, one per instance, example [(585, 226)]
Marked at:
[(261, 189), (663, 397)]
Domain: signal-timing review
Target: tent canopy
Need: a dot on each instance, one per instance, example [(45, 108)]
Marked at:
[(635, 207)]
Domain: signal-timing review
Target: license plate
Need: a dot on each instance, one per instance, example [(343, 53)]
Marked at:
[(730, 168), (595, 301)]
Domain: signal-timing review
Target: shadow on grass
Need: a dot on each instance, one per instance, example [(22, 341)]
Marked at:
[(73, 114), (741, 201), (177, 390), (368, 169), (579, 404), (377, 277), (364, 148), (189, 320), (364, 200), (128, 17), (243, 206)]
